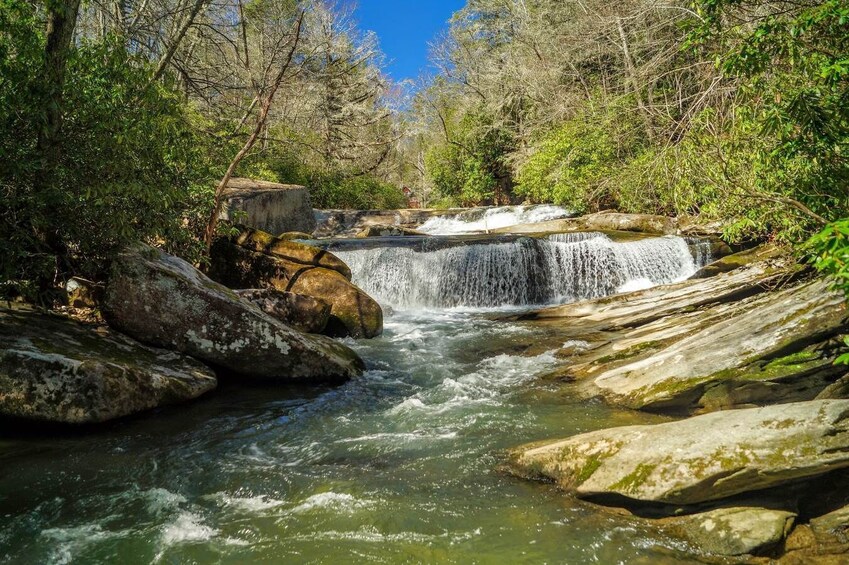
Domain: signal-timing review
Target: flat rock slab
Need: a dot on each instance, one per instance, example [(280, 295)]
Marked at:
[(700, 459), (162, 300), (737, 530), (756, 345), (53, 369)]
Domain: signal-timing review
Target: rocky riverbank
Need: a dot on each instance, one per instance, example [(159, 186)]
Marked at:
[(744, 353), (173, 333)]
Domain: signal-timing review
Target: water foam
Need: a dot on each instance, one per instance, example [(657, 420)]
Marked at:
[(477, 220), (527, 271)]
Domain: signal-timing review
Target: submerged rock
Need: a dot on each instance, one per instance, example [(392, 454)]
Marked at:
[(53, 369), (164, 301), (303, 313), (737, 530), (703, 458), (258, 261)]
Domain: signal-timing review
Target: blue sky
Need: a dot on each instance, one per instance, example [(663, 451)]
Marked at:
[(405, 27)]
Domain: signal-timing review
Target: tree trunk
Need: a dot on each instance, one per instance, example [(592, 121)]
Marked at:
[(61, 21)]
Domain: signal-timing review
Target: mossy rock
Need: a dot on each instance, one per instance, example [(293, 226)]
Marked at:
[(700, 459), (55, 370), (164, 301), (352, 312), (290, 235)]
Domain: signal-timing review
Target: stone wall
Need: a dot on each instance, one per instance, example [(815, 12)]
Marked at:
[(270, 207)]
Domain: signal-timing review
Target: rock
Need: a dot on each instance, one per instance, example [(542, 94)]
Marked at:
[(292, 251), (737, 260), (703, 458), (269, 206), (164, 301), (352, 311), (303, 313), (775, 347), (289, 235), (55, 370), (832, 525), (602, 221), (83, 293), (387, 231), (349, 222), (736, 530)]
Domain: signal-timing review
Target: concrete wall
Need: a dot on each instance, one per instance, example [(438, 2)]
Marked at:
[(270, 207)]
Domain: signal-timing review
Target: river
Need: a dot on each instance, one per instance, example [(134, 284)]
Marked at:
[(399, 466)]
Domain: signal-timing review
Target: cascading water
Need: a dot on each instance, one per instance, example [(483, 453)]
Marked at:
[(564, 267), (394, 467), (482, 220)]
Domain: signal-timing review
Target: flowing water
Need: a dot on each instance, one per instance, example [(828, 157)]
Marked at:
[(399, 466), (485, 219)]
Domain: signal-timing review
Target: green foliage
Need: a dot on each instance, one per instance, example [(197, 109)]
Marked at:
[(329, 187), (471, 168), (829, 253), (574, 164), (130, 163), (794, 67)]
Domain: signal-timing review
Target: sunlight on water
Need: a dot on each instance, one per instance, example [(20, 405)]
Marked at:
[(399, 466), (491, 218), (563, 268)]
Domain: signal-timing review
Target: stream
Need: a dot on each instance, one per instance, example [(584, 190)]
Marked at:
[(399, 466)]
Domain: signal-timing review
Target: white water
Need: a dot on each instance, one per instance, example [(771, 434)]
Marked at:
[(564, 268), (472, 221)]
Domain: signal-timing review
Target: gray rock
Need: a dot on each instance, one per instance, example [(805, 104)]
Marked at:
[(704, 458), (737, 530), (755, 351), (269, 206), (164, 301), (53, 369)]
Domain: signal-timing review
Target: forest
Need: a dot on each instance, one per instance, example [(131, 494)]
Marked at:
[(123, 120)]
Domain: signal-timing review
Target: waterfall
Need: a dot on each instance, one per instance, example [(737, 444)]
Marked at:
[(482, 220), (562, 268)]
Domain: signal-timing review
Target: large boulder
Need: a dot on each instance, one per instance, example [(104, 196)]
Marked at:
[(704, 458), (269, 206), (164, 301), (736, 530), (775, 347), (255, 260), (291, 251), (303, 313), (55, 370)]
